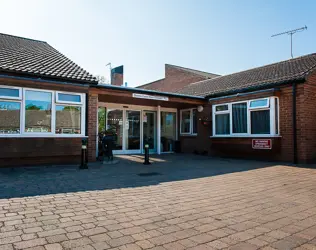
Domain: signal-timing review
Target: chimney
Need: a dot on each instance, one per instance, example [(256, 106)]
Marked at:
[(117, 75)]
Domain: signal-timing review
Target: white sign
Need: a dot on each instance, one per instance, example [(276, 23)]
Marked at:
[(151, 97)]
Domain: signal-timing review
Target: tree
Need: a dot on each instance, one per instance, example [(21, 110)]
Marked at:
[(32, 107), (102, 79)]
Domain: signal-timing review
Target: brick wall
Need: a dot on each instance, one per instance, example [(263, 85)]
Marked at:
[(282, 149), (175, 79), (92, 126)]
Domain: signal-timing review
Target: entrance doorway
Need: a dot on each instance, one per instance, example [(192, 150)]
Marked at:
[(135, 126)]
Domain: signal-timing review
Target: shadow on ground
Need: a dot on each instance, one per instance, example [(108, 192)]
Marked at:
[(32, 181)]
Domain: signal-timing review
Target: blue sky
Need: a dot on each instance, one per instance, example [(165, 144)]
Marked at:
[(215, 36)]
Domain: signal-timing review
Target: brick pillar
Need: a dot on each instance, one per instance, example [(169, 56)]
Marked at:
[(92, 126)]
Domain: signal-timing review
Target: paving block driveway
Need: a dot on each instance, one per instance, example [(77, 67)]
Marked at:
[(194, 202)]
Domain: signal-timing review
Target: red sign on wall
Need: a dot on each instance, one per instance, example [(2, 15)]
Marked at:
[(262, 144)]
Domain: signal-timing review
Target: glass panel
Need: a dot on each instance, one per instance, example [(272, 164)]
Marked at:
[(221, 108), (68, 120), (9, 117), (168, 131), (240, 118), (115, 126), (101, 119), (133, 130), (149, 130), (9, 92), (260, 122), (185, 121), (38, 111), (69, 97), (222, 126), (262, 103), (276, 116), (194, 121)]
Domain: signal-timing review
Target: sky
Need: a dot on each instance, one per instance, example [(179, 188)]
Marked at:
[(222, 36)]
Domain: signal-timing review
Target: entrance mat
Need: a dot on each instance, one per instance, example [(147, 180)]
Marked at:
[(149, 174)]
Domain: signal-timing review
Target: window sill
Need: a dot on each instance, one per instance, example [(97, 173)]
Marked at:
[(42, 136), (188, 135), (246, 136)]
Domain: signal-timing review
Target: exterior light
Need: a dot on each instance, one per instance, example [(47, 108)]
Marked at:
[(200, 108)]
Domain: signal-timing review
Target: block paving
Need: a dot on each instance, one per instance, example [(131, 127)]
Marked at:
[(254, 206)]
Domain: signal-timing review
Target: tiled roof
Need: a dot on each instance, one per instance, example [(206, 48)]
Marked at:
[(266, 76), (194, 71), (39, 59)]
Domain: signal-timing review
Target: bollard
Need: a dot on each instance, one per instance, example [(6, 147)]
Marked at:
[(84, 158), (146, 162)]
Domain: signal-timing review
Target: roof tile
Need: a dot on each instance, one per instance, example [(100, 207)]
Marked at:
[(23, 55)]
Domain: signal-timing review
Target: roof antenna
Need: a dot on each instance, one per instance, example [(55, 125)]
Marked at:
[(291, 33)]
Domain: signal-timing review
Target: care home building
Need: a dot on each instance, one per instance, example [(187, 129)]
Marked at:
[(48, 104)]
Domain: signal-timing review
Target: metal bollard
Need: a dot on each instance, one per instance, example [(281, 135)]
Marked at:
[(146, 162), (84, 158)]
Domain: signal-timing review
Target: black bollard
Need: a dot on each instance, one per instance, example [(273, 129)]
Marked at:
[(84, 158), (146, 162)]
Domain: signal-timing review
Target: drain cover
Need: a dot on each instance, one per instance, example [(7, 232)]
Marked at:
[(149, 174)]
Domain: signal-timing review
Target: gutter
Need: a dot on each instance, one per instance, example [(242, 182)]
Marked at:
[(146, 91), (44, 80)]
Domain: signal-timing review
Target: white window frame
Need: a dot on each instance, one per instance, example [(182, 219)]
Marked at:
[(270, 106), (191, 122), (68, 93), (11, 97), (22, 100)]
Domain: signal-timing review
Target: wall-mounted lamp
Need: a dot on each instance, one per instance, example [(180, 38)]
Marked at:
[(200, 108)]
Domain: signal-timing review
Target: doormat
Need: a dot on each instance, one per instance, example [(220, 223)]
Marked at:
[(149, 174)]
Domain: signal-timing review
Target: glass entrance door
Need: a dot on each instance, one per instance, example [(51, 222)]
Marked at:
[(132, 131), (150, 130)]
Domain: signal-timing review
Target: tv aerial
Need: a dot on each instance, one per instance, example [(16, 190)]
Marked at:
[(291, 33)]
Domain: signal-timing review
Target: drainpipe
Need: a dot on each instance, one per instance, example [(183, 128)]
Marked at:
[(294, 123)]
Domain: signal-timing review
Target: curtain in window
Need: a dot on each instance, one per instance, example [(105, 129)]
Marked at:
[(260, 122), (240, 118), (222, 124)]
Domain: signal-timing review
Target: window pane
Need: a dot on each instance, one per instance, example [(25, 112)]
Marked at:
[(69, 97), (38, 111), (222, 126), (101, 119), (194, 117), (185, 121), (168, 131), (115, 126), (260, 122), (9, 117), (68, 120), (276, 116), (259, 103), (240, 118), (222, 108), (9, 92)]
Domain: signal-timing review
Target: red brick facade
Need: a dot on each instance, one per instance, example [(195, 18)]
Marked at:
[(175, 79), (282, 149)]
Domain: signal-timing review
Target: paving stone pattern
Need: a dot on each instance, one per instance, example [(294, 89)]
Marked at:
[(196, 203)]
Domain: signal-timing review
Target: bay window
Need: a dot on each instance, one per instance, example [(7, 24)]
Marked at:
[(188, 122), (247, 118), (35, 112)]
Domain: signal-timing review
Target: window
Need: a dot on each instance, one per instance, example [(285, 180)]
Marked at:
[(239, 114), (38, 111), (248, 118), (188, 125), (37, 114), (62, 97), (68, 120)]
